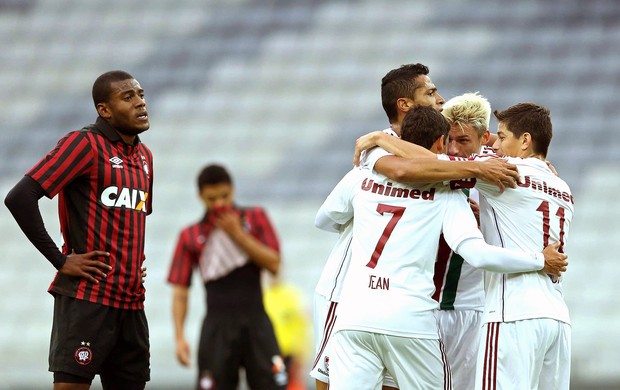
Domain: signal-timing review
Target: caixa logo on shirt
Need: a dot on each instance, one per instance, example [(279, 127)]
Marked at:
[(129, 198)]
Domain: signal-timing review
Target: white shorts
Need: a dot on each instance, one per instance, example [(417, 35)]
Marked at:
[(324, 317), (460, 331), (360, 360), (526, 354)]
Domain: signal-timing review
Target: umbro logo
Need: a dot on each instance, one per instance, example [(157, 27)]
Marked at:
[(116, 162)]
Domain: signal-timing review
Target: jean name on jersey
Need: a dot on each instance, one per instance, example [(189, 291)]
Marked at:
[(542, 186), (397, 192), (129, 198), (378, 282)]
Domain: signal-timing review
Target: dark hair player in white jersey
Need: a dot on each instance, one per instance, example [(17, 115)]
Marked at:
[(530, 343), (402, 89)]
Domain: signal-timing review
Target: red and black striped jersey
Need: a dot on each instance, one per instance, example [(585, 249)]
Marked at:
[(104, 189), (241, 285)]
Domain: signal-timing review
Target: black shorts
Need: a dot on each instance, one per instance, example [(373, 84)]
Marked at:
[(89, 339), (232, 339)]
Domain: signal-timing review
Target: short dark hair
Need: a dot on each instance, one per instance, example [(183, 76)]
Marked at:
[(423, 126), (213, 174), (529, 118), (400, 83), (102, 86)]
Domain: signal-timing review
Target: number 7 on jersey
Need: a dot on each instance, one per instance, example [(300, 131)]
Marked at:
[(397, 213)]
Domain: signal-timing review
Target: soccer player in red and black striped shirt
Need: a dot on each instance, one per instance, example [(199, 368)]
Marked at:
[(103, 176), (230, 247)]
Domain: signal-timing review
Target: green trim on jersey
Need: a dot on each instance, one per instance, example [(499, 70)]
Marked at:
[(452, 282), (452, 277)]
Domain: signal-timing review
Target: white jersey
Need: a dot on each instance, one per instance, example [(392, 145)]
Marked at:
[(335, 268), (389, 283), (459, 285), (536, 213), (369, 157)]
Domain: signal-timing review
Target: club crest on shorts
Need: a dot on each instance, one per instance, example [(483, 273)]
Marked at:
[(83, 355), (327, 364)]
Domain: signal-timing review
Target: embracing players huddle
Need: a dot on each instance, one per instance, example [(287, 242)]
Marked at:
[(447, 270)]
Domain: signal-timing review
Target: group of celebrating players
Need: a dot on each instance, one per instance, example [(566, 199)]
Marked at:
[(447, 270)]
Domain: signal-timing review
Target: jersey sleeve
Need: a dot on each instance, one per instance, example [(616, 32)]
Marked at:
[(493, 258), (463, 236), (372, 156), (149, 164), (184, 260), (338, 206), (262, 229), (72, 157), (324, 222), (459, 222)]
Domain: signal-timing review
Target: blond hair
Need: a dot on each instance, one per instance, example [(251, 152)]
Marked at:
[(469, 109)]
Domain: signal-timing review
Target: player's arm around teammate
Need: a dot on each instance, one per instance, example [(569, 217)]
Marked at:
[(417, 164)]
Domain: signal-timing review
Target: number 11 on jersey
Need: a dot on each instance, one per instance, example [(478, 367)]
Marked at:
[(544, 209)]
